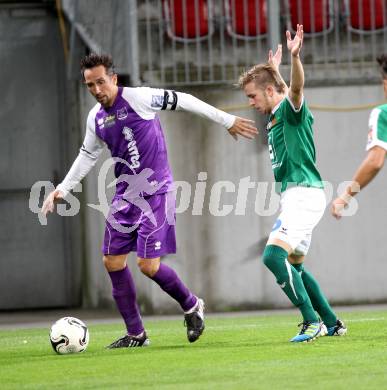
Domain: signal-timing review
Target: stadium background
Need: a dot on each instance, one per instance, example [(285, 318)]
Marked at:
[(43, 113)]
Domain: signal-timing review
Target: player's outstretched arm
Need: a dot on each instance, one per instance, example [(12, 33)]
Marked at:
[(150, 100), (235, 125), (367, 170), (297, 72)]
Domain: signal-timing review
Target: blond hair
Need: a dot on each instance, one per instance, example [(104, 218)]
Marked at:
[(262, 75)]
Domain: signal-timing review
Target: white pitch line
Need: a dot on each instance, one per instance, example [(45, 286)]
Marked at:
[(246, 326), (366, 319)]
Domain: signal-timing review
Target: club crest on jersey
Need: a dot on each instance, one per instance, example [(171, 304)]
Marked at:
[(271, 123), (109, 121), (157, 101), (122, 113)]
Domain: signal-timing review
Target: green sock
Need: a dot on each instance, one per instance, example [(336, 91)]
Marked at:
[(275, 258), (318, 299)]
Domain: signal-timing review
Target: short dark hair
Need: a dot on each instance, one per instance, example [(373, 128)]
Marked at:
[(92, 60), (382, 61)]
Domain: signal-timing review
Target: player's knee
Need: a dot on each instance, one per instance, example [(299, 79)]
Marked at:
[(114, 263), (145, 268), (269, 258), (148, 267), (274, 257)]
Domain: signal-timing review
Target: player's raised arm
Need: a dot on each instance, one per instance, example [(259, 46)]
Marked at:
[(149, 100), (88, 154), (297, 72)]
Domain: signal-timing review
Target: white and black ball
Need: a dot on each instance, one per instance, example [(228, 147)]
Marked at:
[(69, 335)]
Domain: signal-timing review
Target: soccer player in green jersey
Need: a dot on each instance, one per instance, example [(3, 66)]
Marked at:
[(292, 154), (376, 148)]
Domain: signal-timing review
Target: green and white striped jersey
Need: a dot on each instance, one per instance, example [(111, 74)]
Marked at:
[(377, 124)]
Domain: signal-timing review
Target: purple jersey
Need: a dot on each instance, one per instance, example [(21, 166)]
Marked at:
[(131, 130), (134, 139)]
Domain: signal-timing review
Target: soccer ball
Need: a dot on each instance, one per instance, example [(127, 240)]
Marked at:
[(69, 335)]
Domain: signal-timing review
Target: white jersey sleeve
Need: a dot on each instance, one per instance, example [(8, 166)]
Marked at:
[(377, 128), (296, 110), (147, 101), (88, 155)]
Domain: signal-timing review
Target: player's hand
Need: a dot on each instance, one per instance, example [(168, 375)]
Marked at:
[(275, 59), (49, 203), (295, 44), (243, 127), (338, 205)]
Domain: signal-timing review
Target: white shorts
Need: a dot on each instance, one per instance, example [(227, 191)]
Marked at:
[(301, 210)]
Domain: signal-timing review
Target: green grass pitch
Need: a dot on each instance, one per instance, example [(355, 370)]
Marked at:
[(241, 352)]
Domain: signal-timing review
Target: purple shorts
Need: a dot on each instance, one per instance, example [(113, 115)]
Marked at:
[(146, 226)]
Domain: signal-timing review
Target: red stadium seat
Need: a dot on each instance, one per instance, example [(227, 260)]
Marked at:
[(246, 19), (188, 20), (367, 15), (314, 15)]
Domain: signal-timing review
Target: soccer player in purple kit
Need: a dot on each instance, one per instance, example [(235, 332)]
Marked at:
[(125, 119)]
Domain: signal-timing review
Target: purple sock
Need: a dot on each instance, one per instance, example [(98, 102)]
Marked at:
[(168, 280), (124, 293)]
